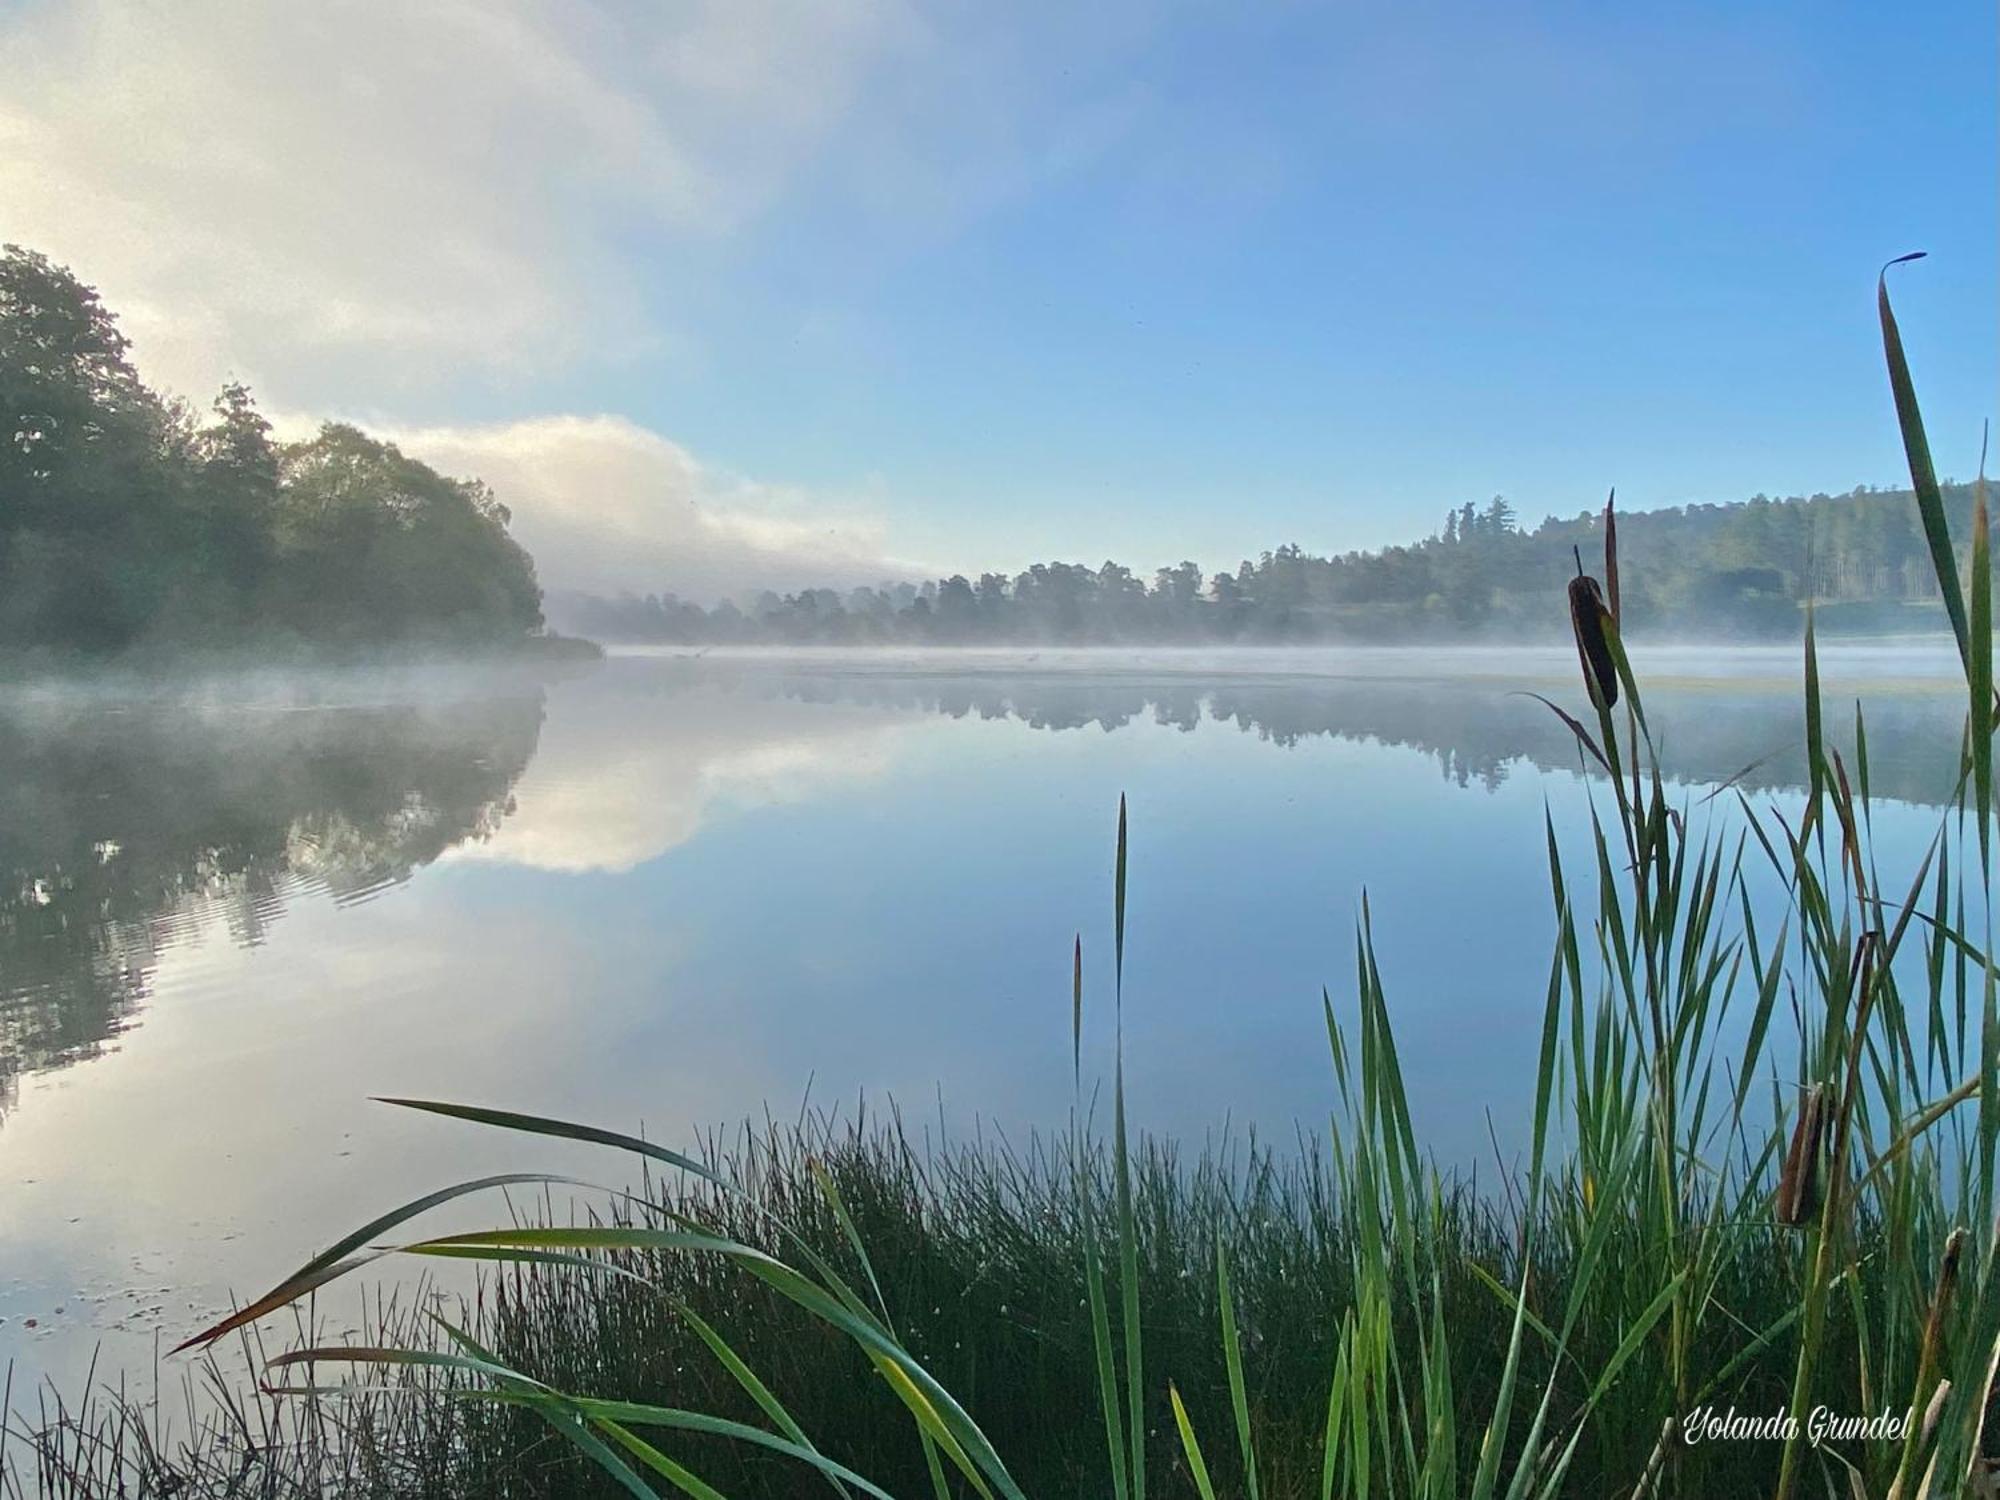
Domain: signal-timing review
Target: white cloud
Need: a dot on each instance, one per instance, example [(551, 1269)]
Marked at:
[(607, 505), (369, 202), (309, 194)]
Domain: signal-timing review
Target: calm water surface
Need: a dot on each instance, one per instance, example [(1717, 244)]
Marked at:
[(671, 891)]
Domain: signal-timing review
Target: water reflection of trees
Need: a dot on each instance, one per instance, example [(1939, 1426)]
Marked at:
[(1476, 729), (125, 829), (123, 833)]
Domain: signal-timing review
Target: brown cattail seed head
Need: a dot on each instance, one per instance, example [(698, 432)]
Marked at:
[(1935, 1410), (1954, 1248), (1588, 618), (1798, 1183), (1947, 1285)]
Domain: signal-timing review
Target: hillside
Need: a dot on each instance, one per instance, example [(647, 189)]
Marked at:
[(1731, 571)]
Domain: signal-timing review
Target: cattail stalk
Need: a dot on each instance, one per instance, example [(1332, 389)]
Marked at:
[(1930, 1392)]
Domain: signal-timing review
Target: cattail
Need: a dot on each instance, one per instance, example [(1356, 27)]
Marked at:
[(1935, 1410), (1798, 1184), (1588, 618), (1947, 1285)]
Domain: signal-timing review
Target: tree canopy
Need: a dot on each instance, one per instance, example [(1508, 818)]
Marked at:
[(126, 517)]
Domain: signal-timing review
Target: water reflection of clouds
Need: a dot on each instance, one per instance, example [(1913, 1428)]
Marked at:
[(127, 828), (231, 1134), (622, 778), (902, 926)]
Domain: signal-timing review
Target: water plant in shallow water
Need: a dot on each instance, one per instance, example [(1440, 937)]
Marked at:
[(1711, 1220)]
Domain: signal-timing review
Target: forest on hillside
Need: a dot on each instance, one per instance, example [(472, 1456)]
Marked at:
[(1728, 571), (128, 519)]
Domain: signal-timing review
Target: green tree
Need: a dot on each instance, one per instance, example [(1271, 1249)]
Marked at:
[(83, 556), (373, 544), (122, 518), (234, 505)]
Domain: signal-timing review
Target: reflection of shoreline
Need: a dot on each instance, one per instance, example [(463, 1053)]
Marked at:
[(127, 829), (1921, 662), (1709, 729)]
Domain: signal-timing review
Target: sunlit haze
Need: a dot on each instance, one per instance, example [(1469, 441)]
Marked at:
[(750, 294)]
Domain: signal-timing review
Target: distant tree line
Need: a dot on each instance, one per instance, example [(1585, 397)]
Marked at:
[(1734, 570), (127, 517)]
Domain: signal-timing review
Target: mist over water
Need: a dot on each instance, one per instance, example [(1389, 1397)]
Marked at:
[(681, 887)]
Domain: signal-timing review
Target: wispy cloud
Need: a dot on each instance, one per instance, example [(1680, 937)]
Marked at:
[(607, 505), (371, 203), (446, 212), (316, 196)]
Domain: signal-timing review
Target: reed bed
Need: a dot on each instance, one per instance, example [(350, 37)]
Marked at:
[(980, 1253), (1759, 1189)]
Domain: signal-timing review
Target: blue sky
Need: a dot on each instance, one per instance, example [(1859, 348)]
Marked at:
[(730, 295)]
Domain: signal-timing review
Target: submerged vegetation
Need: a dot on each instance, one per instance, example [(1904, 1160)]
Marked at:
[(126, 520), (1758, 1199)]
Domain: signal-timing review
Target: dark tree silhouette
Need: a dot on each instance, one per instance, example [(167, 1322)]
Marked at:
[(124, 518)]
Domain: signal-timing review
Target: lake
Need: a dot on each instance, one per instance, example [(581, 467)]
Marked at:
[(677, 891)]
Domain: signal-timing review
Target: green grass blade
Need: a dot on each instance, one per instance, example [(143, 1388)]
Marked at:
[(1076, 1013), (483, 1366), (567, 1130), (1107, 1373), (1923, 475), (830, 1190), (1232, 1355), (748, 1380), (1128, 1235), (1118, 906), (526, 1257), (1128, 1289), (556, 1410), (1981, 673), (681, 1478), (1575, 727), (931, 1426), (1336, 1409), (1196, 1467), (339, 1258), (570, 1130), (928, 1400), (940, 1487), (600, 1453)]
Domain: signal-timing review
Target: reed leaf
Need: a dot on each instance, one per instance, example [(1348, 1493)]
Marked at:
[(1923, 474)]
